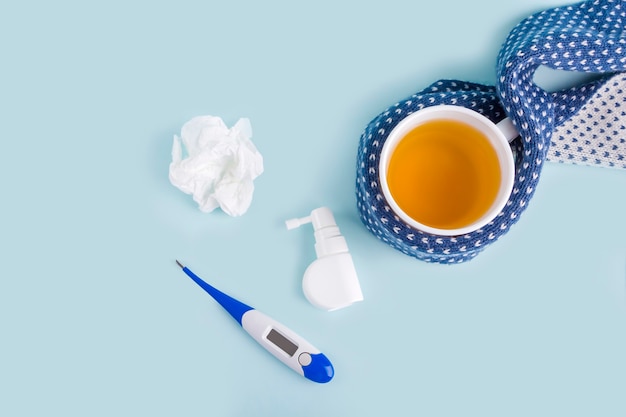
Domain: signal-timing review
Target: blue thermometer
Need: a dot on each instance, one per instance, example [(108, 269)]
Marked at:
[(284, 344)]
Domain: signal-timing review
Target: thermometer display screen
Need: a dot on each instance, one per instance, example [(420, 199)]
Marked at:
[(282, 342)]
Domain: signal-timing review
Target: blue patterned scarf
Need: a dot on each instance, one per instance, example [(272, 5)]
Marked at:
[(582, 125)]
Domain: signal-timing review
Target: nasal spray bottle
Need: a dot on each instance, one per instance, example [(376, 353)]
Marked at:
[(330, 282)]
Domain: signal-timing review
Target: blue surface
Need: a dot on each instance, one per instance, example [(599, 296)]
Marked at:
[(96, 317)]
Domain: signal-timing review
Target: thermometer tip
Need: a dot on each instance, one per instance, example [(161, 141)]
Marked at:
[(179, 264)]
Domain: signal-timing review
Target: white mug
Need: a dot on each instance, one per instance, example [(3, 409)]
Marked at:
[(447, 170)]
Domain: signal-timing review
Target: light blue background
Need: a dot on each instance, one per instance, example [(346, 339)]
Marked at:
[(96, 318)]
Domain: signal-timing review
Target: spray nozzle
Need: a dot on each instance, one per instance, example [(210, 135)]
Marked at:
[(330, 282), (295, 223), (321, 218)]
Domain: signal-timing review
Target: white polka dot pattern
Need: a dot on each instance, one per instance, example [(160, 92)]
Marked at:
[(596, 133), (583, 37)]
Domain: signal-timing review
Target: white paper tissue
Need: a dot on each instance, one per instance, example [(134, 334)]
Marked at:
[(220, 164)]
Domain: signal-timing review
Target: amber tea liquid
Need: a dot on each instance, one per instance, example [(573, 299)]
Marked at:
[(444, 174)]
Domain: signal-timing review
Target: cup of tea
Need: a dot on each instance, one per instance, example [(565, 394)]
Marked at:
[(447, 170)]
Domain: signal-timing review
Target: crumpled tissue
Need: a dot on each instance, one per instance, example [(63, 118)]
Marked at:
[(220, 164)]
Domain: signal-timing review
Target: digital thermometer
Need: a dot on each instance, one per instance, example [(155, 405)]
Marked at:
[(284, 344)]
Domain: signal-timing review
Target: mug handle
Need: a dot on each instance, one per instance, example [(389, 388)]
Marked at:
[(507, 127)]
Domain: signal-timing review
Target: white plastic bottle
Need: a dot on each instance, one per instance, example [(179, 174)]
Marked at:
[(330, 282)]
